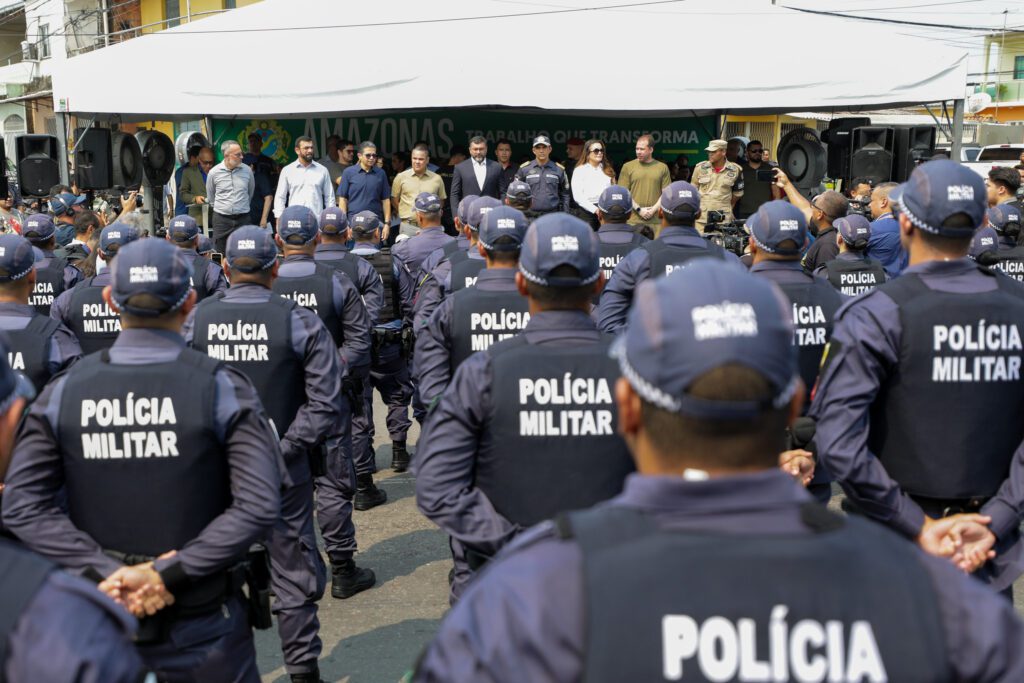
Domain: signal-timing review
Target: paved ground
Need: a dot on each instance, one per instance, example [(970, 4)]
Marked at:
[(376, 636)]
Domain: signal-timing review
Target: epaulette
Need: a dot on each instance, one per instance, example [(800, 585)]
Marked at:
[(525, 163)]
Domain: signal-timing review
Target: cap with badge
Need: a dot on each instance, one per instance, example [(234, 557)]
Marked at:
[(680, 200), (615, 200), (503, 221), (939, 190), (541, 141), (479, 208), (365, 223), (151, 267), (1005, 218), (520, 190), (254, 244), (205, 245), (61, 204), (985, 246), (462, 212), (333, 221), (854, 229), (716, 145), (701, 318), (182, 229), (115, 236), (775, 223), (17, 257), (38, 228), (427, 202), (297, 225), (555, 240)]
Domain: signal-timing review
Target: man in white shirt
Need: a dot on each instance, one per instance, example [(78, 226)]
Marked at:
[(304, 182)]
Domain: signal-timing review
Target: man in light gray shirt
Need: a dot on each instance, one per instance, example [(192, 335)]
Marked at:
[(229, 188), (304, 182)]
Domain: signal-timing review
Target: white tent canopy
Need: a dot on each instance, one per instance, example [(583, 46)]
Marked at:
[(284, 58)]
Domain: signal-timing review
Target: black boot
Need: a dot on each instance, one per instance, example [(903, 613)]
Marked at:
[(311, 677), (347, 579), (399, 456), (367, 494)]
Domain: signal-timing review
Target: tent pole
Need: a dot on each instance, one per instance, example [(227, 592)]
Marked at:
[(958, 129), (61, 122)]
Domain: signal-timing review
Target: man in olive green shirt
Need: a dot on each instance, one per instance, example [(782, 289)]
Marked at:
[(410, 183), (645, 178), (193, 184)]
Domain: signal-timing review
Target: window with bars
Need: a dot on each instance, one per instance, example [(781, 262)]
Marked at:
[(1018, 68)]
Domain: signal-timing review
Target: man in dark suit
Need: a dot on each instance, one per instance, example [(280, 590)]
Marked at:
[(476, 175)]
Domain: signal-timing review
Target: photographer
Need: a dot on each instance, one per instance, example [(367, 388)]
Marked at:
[(758, 182)]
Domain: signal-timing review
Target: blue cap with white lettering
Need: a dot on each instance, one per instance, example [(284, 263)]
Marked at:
[(297, 225), (774, 224), (38, 228), (115, 236), (333, 221), (17, 257), (462, 211), (556, 240), (1001, 216), (940, 190), (183, 228), (13, 384), (519, 190), (503, 222), (365, 223), (205, 245), (985, 240), (854, 229), (155, 268), (428, 202), (615, 200), (680, 199), (702, 317), (251, 249), (479, 208)]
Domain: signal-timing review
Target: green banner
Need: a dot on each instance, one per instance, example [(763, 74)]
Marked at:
[(443, 128)]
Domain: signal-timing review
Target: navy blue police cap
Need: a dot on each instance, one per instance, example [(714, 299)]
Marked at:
[(615, 200), (853, 228), (503, 221), (117, 235), (479, 208), (251, 242), (939, 190), (1002, 215), (297, 225), (680, 199), (365, 223), (520, 190), (462, 210), (333, 221), (205, 245), (428, 202), (985, 239), (183, 228), (555, 240), (17, 257), (699, 318), (38, 228), (775, 223), (151, 267)]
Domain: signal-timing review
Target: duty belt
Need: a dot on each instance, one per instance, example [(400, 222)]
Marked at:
[(945, 507)]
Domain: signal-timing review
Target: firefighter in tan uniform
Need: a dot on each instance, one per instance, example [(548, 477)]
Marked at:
[(719, 182)]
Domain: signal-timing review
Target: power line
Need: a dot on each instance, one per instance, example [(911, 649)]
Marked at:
[(883, 20)]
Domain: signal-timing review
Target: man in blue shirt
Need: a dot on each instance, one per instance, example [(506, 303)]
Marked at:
[(884, 244), (364, 187)]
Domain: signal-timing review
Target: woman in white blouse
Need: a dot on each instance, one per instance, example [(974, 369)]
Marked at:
[(592, 174)]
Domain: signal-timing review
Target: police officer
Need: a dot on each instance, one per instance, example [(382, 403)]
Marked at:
[(678, 241), (83, 309), (778, 236), (291, 359), (476, 317), (150, 468), (720, 183), (690, 572), (1005, 219), (392, 343), (410, 254), (616, 237), (852, 271), (462, 222), (208, 278), (519, 195), (204, 247), (348, 475), (39, 346), (916, 370), (548, 183), (54, 274), (985, 247), (526, 428), (333, 251)]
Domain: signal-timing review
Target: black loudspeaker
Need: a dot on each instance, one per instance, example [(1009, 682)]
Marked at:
[(127, 161), (38, 169), (93, 159), (4, 186), (913, 145), (802, 157), (871, 154), (838, 137), (157, 156)]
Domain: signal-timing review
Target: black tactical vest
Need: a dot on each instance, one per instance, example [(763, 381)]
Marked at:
[(29, 349), (49, 284), (348, 264), (666, 257), (665, 605), (465, 270), (256, 339), (1011, 262), (315, 292), (94, 323), (552, 444), (855, 277), (814, 306), (385, 267), (22, 574), (611, 254), (944, 424), (482, 318), (143, 467)]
